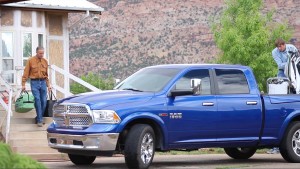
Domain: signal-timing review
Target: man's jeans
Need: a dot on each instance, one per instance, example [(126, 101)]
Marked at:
[(39, 91)]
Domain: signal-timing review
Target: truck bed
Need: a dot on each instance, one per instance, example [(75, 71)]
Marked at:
[(279, 109)]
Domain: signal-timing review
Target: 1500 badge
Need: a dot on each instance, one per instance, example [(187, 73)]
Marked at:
[(175, 115)]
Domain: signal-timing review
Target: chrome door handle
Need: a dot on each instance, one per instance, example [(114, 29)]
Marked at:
[(252, 103), (207, 104)]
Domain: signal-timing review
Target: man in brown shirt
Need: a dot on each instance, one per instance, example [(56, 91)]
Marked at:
[(37, 71)]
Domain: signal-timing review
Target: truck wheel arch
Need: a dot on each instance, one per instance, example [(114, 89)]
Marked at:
[(295, 116), (157, 126)]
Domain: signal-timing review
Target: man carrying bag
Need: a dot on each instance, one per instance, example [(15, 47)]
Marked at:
[(36, 70)]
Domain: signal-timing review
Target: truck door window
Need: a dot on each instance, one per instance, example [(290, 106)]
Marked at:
[(184, 83), (232, 81)]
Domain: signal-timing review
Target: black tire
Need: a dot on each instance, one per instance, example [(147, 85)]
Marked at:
[(139, 134), (287, 144), (81, 159), (240, 153)]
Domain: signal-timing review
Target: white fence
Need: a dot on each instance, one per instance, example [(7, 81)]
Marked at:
[(5, 121)]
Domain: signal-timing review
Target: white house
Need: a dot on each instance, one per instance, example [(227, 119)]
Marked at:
[(25, 25), (28, 24)]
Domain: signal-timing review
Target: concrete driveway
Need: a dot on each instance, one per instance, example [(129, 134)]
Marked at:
[(206, 161)]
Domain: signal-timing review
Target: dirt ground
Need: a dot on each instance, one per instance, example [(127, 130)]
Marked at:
[(203, 161)]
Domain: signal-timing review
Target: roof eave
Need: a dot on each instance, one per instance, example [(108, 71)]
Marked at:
[(9, 1), (94, 10)]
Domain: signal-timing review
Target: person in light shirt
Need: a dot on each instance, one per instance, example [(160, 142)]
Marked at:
[(280, 55)]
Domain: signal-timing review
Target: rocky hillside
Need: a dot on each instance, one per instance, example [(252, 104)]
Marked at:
[(132, 34)]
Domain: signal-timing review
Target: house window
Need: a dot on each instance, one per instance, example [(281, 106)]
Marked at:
[(7, 44), (8, 64), (7, 56), (27, 47), (41, 40)]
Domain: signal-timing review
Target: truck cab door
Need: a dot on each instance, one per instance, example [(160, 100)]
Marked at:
[(192, 118), (239, 108)]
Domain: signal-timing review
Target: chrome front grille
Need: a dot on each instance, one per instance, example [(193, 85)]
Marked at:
[(78, 109), (73, 115), (80, 121)]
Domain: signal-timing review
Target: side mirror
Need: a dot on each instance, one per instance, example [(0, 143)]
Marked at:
[(196, 86), (195, 89), (175, 93)]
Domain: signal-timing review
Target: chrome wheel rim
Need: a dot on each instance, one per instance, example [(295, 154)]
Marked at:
[(296, 142), (147, 148)]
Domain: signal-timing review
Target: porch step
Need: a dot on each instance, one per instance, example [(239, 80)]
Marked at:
[(27, 127), (2, 112), (47, 120), (30, 114), (28, 142), (28, 135), (28, 139)]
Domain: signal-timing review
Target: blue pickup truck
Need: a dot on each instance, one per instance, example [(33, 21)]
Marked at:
[(177, 107)]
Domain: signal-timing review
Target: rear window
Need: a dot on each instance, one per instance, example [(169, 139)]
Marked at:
[(232, 81)]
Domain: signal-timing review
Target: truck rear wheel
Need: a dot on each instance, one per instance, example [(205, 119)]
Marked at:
[(290, 146), (81, 159), (240, 153), (139, 147)]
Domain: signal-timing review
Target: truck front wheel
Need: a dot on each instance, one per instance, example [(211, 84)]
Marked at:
[(290, 146), (139, 146), (81, 160), (240, 153)]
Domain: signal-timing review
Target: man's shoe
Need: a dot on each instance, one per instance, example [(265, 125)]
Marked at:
[(40, 124)]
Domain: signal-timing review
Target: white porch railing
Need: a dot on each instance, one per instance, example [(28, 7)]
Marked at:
[(5, 127), (55, 71), (5, 119), (67, 77)]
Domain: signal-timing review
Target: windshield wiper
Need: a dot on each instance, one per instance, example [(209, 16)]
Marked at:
[(133, 89)]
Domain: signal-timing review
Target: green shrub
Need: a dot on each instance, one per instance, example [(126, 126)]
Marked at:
[(246, 35), (11, 160), (95, 80)]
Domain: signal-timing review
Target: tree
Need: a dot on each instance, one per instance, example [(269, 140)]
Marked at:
[(95, 80), (246, 36)]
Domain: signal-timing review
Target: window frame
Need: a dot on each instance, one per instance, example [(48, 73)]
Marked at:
[(216, 85), (211, 81), (13, 57)]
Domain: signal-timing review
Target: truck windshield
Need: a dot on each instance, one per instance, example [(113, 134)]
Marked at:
[(148, 80)]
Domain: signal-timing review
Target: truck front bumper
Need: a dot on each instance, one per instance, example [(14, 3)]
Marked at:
[(94, 142)]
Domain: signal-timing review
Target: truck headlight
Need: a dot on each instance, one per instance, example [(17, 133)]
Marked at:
[(106, 116)]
